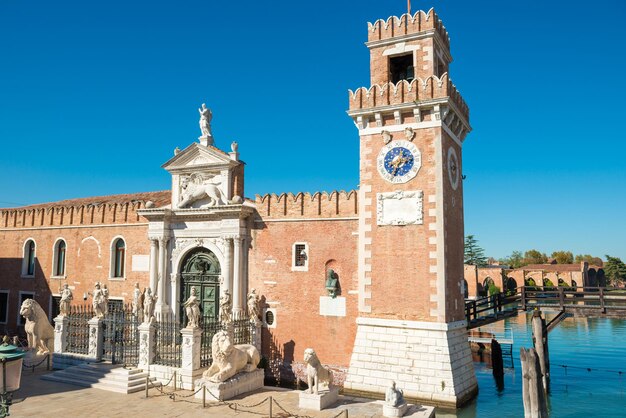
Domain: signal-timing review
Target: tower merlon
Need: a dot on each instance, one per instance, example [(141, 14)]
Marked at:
[(418, 102), (407, 27)]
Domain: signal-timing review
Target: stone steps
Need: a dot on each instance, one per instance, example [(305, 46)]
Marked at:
[(102, 376)]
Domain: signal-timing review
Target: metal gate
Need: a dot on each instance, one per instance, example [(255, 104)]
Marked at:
[(121, 336)]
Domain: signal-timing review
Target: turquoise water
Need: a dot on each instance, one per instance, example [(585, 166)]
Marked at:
[(596, 343)]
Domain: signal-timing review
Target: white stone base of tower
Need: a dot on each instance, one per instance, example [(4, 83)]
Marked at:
[(431, 362)]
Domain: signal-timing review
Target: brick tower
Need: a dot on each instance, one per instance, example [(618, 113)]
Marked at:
[(412, 122)]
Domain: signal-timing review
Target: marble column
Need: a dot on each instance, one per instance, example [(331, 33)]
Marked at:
[(227, 283), (245, 246), (237, 281), (154, 264), (161, 303)]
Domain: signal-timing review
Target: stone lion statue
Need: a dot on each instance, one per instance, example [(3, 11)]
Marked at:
[(229, 359), (315, 371), (38, 330), (194, 188)]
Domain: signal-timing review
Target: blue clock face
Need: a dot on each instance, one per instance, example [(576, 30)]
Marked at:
[(399, 161)]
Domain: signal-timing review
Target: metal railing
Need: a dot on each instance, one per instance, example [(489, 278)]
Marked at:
[(78, 329), (242, 333), (168, 344), (602, 299), (121, 336)]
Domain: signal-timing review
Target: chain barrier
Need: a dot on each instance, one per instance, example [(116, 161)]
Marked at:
[(235, 406), (33, 366)]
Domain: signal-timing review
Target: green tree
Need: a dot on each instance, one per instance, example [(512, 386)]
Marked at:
[(515, 260), (563, 257), (535, 257), (474, 254), (596, 261), (615, 270)]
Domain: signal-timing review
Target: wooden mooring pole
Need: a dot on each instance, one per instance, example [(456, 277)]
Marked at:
[(497, 363), (540, 342), (533, 394)]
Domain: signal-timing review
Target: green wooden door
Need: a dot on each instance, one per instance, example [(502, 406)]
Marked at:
[(201, 269)]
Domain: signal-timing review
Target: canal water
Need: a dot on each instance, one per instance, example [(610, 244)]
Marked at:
[(586, 356)]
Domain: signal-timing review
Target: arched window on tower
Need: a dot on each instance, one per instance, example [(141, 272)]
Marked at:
[(28, 262), (118, 255), (59, 258)]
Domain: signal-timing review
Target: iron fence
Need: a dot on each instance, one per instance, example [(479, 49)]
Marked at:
[(78, 329), (241, 329), (121, 336), (168, 351)]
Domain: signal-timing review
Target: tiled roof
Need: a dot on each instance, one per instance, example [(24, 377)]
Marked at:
[(159, 198)]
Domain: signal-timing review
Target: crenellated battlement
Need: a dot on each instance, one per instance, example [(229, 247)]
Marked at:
[(307, 205), (406, 24), (404, 91), (120, 209)]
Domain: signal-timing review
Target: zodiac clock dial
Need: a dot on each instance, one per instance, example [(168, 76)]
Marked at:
[(399, 161)]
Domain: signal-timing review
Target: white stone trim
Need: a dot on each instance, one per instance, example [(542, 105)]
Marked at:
[(293, 256), (273, 311), (398, 323), (377, 130), (439, 221), (24, 272), (345, 218), (38, 228), (400, 208), (112, 258), (55, 256)]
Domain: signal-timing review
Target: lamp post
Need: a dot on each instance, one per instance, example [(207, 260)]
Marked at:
[(11, 360)]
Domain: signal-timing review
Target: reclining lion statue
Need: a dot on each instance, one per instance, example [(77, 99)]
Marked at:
[(229, 359), (38, 330)]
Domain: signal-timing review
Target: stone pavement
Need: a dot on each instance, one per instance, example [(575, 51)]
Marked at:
[(39, 398)]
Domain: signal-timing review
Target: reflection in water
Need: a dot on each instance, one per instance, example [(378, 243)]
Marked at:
[(575, 345)]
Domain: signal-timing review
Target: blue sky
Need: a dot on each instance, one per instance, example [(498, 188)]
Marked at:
[(94, 97)]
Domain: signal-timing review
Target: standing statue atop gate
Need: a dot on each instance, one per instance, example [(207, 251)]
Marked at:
[(205, 121), (253, 307), (225, 308), (138, 303), (99, 301), (105, 294), (192, 309), (148, 306), (66, 300)]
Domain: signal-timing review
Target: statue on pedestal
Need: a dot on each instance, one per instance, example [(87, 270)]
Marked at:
[(99, 301), (316, 372), (331, 283), (253, 306), (394, 397), (148, 306), (225, 308), (205, 121), (192, 309), (138, 303), (66, 300)]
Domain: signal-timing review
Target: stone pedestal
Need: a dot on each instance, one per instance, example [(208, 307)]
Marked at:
[(146, 344), (190, 354), (60, 333), (239, 384), (96, 338), (323, 400), (432, 360), (394, 411)]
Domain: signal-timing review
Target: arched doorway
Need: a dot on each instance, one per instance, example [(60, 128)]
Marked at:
[(511, 286), (201, 269)]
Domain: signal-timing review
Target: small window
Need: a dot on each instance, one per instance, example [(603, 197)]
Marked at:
[(28, 262), (269, 318), (401, 68), (300, 257), (23, 296), (59, 258), (4, 306), (118, 255)]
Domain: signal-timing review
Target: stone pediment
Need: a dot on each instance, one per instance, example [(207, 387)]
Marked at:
[(199, 157)]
